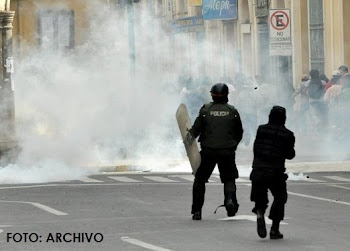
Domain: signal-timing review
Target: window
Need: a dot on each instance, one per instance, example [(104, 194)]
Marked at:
[(316, 30), (261, 3), (56, 29)]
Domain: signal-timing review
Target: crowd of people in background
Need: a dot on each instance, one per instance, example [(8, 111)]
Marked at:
[(253, 97), (318, 105), (322, 104)]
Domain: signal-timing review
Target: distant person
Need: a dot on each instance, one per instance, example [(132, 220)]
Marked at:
[(324, 78), (334, 90), (302, 90), (316, 95), (344, 96), (331, 98), (301, 106), (273, 144), (344, 105), (334, 80), (343, 69), (219, 128)]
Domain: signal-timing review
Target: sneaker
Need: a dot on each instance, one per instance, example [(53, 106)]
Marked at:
[(261, 227), (275, 234), (197, 215), (231, 208)]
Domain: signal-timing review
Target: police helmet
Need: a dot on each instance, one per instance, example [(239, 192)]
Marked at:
[(219, 89)]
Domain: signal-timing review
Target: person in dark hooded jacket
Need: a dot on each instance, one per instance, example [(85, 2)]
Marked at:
[(219, 128), (274, 143)]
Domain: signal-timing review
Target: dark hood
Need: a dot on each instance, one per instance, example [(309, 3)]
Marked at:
[(277, 115)]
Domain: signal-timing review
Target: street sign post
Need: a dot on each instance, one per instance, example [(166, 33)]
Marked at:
[(280, 32)]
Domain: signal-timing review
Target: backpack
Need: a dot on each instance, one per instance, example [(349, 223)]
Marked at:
[(316, 89)]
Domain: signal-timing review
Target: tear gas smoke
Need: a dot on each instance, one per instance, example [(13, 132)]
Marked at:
[(84, 108)]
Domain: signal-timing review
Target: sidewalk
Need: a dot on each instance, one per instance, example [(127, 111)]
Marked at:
[(329, 166), (133, 165)]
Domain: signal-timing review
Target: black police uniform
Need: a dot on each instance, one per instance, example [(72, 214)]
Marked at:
[(220, 129), (274, 143)]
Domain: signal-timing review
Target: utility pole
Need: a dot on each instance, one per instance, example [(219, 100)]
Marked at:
[(8, 143)]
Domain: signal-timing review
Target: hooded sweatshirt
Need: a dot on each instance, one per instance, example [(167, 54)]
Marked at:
[(274, 143)]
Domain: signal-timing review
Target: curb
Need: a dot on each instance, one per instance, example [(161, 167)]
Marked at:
[(119, 168), (331, 166), (308, 167)]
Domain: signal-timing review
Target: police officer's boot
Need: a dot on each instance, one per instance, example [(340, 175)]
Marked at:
[(197, 215), (261, 226), (275, 233), (197, 200), (231, 206), (230, 201)]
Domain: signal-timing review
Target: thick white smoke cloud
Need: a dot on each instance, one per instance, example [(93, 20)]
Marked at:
[(84, 108)]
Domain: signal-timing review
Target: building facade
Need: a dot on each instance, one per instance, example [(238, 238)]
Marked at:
[(319, 37), (215, 47), (49, 24)]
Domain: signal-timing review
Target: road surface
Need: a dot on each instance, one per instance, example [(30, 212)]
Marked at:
[(151, 211)]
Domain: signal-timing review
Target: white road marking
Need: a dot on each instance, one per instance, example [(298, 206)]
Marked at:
[(191, 178), (4, 226), (159, 179), (240, 180), (33, 186), (337, 178), (19, 186), (97, 184), (250, 218), (48, 209), (348, 188), (316, 198), (38, 205), (320, 198), (123, 179), (214, 179), (89, 180), (143, 244), (185, 177)]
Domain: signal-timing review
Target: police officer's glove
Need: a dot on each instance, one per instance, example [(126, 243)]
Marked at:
[(188, 139)]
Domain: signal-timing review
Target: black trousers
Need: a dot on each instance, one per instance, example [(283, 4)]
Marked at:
[(226, 161), (259, 195)]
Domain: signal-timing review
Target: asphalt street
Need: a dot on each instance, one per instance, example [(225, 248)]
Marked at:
[(151, 211)]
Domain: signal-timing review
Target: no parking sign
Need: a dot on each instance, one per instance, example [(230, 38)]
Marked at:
[(280, 32)]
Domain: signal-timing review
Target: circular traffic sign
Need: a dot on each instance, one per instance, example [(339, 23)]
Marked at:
[(277, 22)]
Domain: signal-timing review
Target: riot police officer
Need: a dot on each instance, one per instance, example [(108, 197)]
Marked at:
[(273, 144), (219, 128)]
